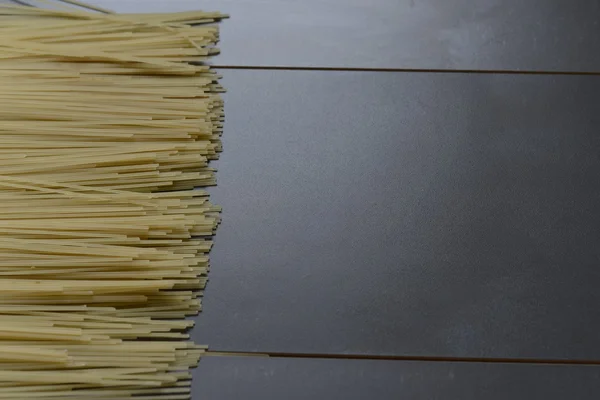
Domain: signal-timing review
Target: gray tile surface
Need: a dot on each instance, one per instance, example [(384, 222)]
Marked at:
[(554, 35), (234, 378), (408, 214)]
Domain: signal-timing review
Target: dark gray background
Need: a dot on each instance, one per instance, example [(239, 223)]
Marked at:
[(407, 214), (234, 378), (548, 35)]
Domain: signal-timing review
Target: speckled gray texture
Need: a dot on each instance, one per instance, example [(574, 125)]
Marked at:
[(407, 214), (234, 378), (553, 35)]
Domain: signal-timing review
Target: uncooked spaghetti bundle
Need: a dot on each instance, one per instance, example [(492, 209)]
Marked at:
[(108, 123)]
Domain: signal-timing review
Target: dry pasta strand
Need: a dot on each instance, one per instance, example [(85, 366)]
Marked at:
[(108, 124)]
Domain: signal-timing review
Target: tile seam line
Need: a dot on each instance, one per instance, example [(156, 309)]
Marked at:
[(488, 360), (417, 70)]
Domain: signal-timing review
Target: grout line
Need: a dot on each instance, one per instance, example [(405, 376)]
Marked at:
[(234, 354), (492, 360), (422, 70)]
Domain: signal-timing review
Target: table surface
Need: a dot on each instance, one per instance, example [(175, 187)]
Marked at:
[(234, 378), (407, 214), (531, 35), (378, 224)]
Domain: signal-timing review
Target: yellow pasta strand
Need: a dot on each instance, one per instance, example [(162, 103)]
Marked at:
[(108, 124)]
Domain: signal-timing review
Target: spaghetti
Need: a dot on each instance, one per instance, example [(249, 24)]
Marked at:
[(107, 125)]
